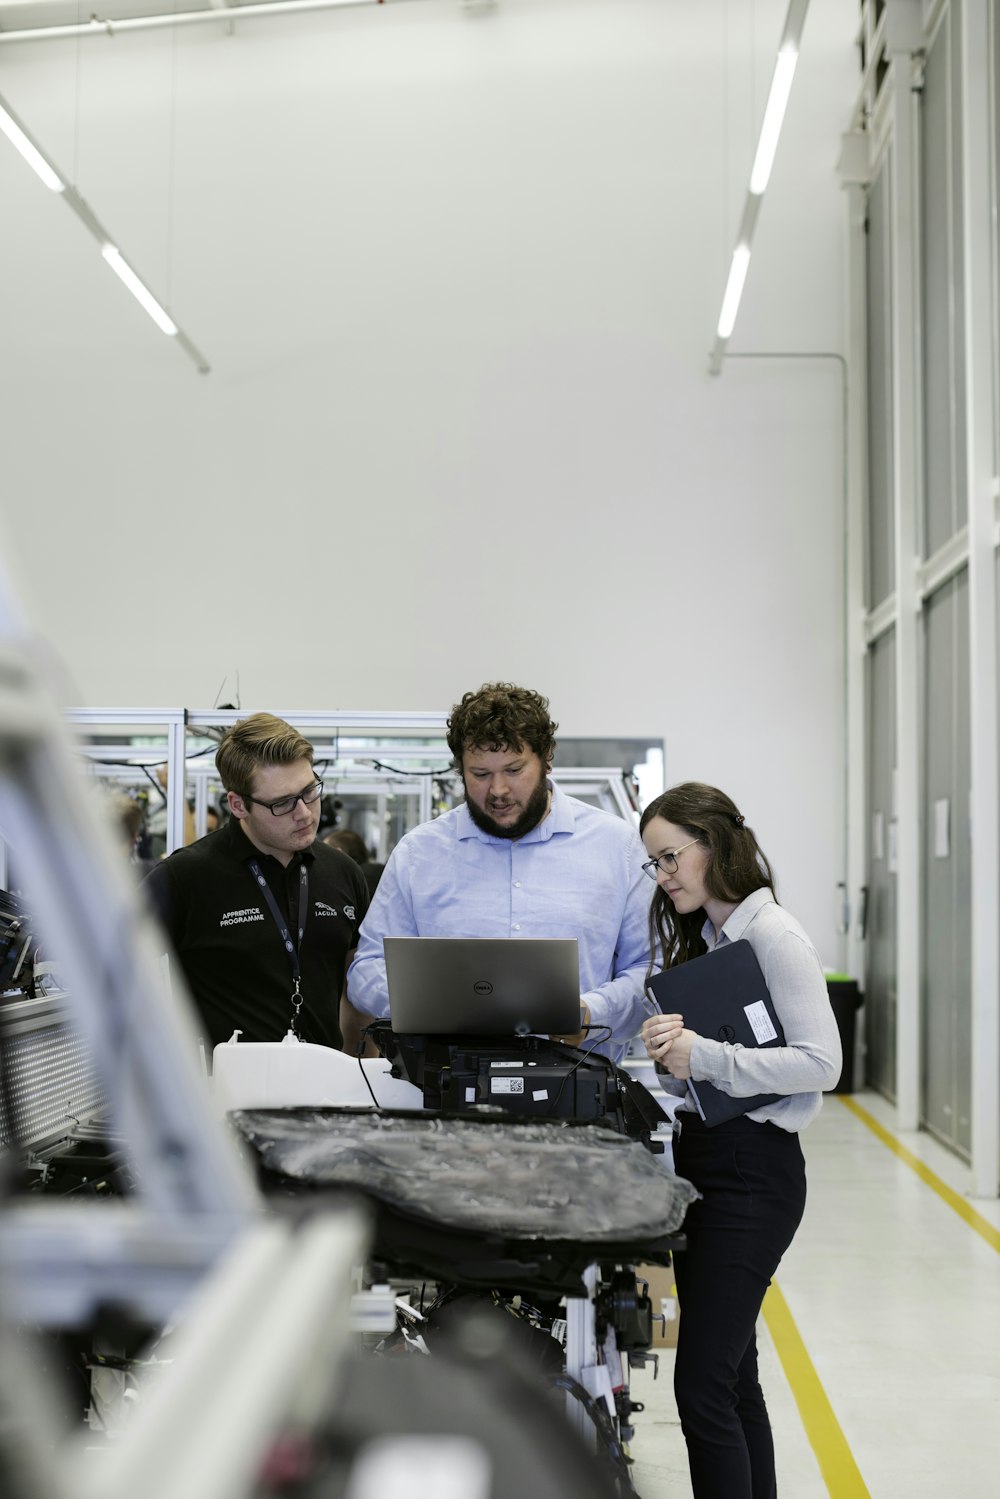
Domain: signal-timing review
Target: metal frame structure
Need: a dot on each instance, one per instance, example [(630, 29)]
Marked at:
[(983, 539), (894, 37), (194, 1227), (194, 1193), (604, 783)]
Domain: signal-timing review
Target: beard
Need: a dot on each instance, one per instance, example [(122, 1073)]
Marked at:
[(535, 809)]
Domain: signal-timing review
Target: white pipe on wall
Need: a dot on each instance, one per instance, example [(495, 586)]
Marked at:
[(99, 26)]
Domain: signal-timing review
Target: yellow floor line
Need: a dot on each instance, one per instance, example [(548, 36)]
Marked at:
[(980, 1225), (840, 1472)]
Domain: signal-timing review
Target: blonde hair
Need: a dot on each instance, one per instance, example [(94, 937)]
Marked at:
[(260, 739)]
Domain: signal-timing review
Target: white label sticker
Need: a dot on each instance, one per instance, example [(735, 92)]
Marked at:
[(506, 1064), (760, 1022), (506, 1084), (470, 1095), (539, 1094)]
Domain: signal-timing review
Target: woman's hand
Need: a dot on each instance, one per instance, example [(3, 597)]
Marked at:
[(678, 1059), (659, 1033)]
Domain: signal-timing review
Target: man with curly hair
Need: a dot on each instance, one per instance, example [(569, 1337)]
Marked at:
[(519, 858)]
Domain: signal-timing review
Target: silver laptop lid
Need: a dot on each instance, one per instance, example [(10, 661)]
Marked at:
[(483, 986)]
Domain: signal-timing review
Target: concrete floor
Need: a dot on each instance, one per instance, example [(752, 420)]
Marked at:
[(892, 1343)]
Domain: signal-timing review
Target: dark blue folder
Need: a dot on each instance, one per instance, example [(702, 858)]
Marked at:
[(722, 995)]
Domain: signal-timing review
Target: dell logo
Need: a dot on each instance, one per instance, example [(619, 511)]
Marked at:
[(482, 986)]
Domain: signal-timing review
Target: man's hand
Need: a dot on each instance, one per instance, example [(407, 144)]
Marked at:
[(581, 1035)]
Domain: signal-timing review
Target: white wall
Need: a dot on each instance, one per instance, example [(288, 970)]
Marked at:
[(457, 275)]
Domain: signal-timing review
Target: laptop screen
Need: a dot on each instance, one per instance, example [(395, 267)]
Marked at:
[(483, 986)]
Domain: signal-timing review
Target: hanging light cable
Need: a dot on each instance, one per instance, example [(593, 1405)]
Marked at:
[(767, 145), (14, 130)]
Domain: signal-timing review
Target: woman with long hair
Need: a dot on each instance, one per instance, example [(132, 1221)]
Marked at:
[(714, 886)]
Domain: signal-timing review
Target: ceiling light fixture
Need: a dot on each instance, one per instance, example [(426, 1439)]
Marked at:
[(774, 114), (21, 141), (141, 292), (39, 163), (767, 145), (734, 290)]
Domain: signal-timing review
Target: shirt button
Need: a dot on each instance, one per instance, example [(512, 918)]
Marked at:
[(517, 884), (517, 926)]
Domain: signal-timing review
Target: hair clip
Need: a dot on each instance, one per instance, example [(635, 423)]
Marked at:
[(739, 819)]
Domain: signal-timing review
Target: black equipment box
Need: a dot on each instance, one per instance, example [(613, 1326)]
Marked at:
[(526, 1075), (520, 1074)]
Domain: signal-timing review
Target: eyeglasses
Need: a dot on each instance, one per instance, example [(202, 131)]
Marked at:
[(667, 862), (285, 804)]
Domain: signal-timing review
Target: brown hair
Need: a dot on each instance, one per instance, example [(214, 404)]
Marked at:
[(128, 815), (350, 843), (736, 866), (501, 716), (260, 739)]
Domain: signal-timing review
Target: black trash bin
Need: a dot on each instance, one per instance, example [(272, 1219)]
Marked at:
[(845, 997)]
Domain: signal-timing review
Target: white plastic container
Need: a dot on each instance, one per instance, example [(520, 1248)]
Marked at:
[(295, 1074)]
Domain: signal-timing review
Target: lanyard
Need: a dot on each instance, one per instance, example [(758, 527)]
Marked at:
[(292, 948)]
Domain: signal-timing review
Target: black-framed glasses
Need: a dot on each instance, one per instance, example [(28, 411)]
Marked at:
[(667, 861), (282, 805)]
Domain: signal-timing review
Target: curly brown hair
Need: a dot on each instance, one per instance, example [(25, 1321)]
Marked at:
[(736, 866), (501, 716)]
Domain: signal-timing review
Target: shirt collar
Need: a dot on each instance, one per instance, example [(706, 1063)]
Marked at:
[(740, 919), (243, 850), (560, 818)]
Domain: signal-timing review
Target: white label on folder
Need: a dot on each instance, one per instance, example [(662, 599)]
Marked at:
[(506, 1084), (760, 1022)]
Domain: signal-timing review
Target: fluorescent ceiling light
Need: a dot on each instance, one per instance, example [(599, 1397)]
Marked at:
[(774, 114), (141, 292), (734, 290), (30, 152), (767, 144), (19, 137)]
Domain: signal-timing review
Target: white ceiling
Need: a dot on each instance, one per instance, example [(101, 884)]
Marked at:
[(162, 133), (457, 271)]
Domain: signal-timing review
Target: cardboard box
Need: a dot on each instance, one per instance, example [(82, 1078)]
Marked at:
[(663, 1294)]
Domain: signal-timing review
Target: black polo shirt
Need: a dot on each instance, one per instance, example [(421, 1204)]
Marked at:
[(226, 940)]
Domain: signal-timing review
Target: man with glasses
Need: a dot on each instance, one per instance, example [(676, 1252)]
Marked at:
[(519, 858), (263, 919)]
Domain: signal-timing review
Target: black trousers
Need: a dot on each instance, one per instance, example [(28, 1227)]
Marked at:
[(753, 1185)]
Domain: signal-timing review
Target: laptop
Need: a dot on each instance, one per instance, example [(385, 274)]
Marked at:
[(483, 986)]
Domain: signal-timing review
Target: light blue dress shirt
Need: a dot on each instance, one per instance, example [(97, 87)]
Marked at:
[(577, 874)]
